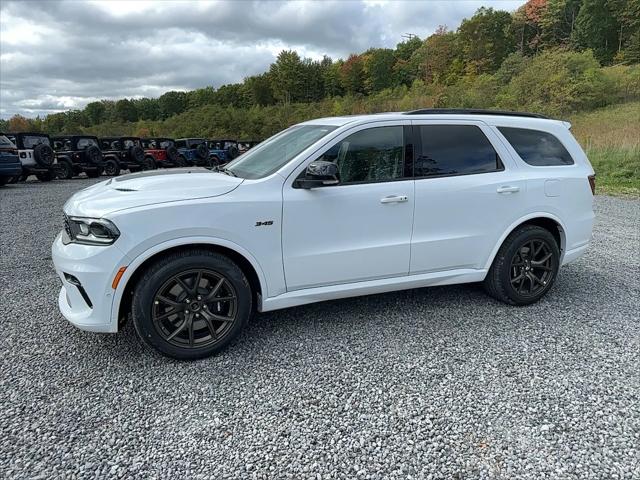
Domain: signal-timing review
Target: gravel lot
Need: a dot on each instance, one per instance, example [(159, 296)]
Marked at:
[(429, 383)]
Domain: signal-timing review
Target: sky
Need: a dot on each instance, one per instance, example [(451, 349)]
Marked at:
[(60, 55)]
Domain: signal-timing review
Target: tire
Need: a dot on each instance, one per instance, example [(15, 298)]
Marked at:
[(512, 273), (154, 304), (65, 169), (45, 176), (181, 162), (136, 154), (233, 152), (201, 151), (94, 155), (43, 155), (93, 173), (111, 168), (215, 161), (149, 164), (172, 153)]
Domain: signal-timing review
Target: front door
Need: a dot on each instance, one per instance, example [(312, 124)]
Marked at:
[(359, 229)]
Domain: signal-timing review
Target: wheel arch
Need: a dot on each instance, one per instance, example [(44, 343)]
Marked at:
[(122, 299), (542, 219)]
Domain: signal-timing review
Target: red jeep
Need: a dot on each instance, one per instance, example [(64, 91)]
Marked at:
[(160, 152)]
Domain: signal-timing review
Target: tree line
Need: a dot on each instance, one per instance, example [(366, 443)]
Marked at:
[(491, 56)]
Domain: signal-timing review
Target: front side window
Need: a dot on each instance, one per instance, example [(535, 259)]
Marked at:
[(447, 150), (371, 155), (86, 142), (277, 151), (540, 149)]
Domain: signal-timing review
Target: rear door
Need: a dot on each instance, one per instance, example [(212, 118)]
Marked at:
[(467, 193)]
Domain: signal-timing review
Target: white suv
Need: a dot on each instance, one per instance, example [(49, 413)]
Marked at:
[(330, 208)]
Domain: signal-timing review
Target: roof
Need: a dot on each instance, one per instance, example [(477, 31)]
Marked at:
[(487, 116), (41, 134), (73, 136)]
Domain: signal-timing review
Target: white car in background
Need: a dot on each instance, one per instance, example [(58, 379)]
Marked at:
[(330, 208)]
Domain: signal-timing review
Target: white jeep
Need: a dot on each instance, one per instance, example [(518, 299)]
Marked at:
[(36, 155), (330, 208)]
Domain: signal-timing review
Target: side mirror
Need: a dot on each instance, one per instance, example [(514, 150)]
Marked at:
[(318, 174)]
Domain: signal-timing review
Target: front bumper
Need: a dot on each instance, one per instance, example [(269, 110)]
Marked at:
[(86, 272)]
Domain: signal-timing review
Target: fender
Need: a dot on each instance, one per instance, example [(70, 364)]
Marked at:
[(521, 220), (177, 242)]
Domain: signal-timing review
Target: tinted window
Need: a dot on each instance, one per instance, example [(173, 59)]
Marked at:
[(86, 142), (537, 148), (31, 141), (372, 155), (454, 150)]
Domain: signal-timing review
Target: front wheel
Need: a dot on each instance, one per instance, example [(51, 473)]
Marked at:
[(149, 164), (111, 168), (191, 305), (525, 267), (181, 162), (65, 170)]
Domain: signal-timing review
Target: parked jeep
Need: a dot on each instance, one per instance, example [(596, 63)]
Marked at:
[(160, 152), (10, 166), (246, 145), (77, 154), (193, 151), (222, 151), (123, 153), (36, 155)]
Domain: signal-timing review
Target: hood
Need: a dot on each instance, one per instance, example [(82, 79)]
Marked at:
[(149, 188)]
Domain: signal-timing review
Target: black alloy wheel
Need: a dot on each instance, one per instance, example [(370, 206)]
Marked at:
[(525, 267), (531, 268), (195, 308), (111, 168)]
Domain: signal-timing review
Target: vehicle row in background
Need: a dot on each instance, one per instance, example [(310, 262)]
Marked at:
[(66, 156)]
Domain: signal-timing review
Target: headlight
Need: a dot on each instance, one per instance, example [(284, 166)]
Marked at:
[(90, 231)]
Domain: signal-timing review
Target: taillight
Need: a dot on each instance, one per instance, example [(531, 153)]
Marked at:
[(592, 183)]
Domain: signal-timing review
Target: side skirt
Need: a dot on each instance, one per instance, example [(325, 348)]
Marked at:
[(371, 287)]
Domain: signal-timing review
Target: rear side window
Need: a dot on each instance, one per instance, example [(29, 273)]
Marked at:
[(540, 149), (454, 150)]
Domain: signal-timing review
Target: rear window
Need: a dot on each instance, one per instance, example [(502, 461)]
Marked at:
[(32, 141), (455, 150), (540, 149)]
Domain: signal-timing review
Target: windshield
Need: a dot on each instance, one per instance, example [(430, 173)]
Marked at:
[(277, 151), (5, 142)]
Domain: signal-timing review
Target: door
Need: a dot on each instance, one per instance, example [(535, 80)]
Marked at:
[(359, 229), (467, 194)]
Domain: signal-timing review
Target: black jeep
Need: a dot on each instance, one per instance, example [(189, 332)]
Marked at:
[(123, 153), (36, 155), (76, 154)]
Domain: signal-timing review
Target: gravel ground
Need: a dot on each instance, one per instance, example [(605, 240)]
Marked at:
[(429, 383)]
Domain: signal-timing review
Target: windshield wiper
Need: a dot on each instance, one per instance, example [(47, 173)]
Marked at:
[(228, 172)]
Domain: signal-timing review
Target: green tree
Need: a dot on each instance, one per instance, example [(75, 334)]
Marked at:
[(95, 112), (172, 103), (258, 89), (331, 77), (403, 70), (378, 69), (597, 29), (148, 108), (125, 111), (434, 59), (286, 83), (557, 22), (485, 40)]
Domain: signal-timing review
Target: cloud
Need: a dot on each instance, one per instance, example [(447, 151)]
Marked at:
[(56, 55)]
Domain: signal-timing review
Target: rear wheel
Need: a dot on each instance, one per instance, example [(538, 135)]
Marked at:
[(181, 161), (65, 169), (525, 267), (191, 304), (111, 168), (149, 164), (45, 176)]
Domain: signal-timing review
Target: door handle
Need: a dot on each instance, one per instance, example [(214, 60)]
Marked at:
[(394, 199), (508, 189)]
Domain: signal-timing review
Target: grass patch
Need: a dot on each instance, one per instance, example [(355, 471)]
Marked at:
[(611, 139)]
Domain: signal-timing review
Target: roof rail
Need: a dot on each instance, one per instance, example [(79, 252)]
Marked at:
[(471, 111)]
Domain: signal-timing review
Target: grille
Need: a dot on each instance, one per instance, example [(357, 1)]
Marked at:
[(67, 226)]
